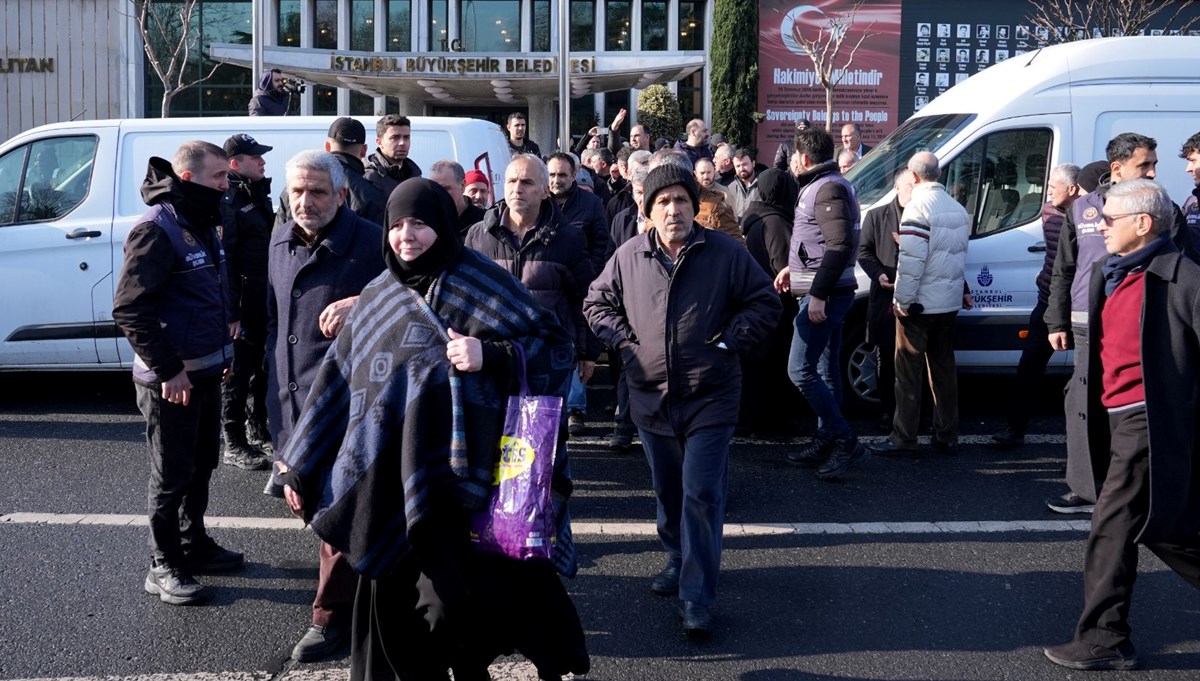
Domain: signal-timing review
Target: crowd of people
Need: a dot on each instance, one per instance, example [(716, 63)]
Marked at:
[(343, 340)]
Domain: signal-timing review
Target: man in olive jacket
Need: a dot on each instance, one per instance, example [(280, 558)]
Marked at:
[(1143, 422), (680, 303)]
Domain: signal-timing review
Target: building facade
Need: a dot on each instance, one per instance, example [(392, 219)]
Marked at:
[(353, 55)]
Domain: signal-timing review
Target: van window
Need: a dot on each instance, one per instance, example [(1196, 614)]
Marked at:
[(45, 180), (872, 176), (1001, 179)]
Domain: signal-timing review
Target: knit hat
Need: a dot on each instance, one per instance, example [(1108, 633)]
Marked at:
[(1093, 175), (668, 176), (583, 178), (474, 176)]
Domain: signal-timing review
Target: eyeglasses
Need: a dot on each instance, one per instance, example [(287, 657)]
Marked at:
[(1110, 219)]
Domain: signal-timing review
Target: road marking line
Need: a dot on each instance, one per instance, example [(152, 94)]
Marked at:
[(603, 528), (865, 439)]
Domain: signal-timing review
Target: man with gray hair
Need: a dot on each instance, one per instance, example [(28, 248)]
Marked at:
[(930, 290), (723, 160), (1061, 191), (1144, 333), (172, 304), (451, 176), (628, 166), (319, 262)]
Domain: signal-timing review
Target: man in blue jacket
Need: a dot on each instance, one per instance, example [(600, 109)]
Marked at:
[(270, 99), (172, 303)]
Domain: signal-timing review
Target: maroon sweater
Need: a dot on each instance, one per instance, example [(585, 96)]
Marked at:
[(1121, 343)]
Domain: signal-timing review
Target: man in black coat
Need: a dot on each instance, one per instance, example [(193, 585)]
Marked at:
[(451, 176), (270, 99), (680, 303), (247, 216), (390, 164), (1143, 420), (877, 251)]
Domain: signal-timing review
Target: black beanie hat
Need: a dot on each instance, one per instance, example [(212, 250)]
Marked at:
[(667, 176)]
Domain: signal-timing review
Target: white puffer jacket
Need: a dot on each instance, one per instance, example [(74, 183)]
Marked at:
[(934, 232)]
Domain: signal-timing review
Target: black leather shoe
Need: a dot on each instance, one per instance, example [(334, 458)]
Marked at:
[(666, 583), (319, 643), (1089, 656), (697, 619), (1008, 439), (210, 556), (944, 448), (889, 448), (816, 453)]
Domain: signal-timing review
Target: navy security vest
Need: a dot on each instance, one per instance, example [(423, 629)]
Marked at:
[(194, 308), (808, 243), (1089, 249)]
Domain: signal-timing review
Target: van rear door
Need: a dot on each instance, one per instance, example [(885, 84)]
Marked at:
[(55, 250)]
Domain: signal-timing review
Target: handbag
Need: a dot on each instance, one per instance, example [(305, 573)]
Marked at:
[(519, 520)]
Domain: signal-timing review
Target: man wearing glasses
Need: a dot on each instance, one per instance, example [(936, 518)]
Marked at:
[(1145, 328)]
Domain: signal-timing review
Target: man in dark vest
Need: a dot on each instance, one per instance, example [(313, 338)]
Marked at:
[(172, 303), (821, 272), (248, 215)]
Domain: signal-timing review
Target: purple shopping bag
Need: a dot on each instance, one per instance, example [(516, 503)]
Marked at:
[(519, 521)]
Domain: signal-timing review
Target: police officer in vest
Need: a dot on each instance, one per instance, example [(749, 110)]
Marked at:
[(248, 216), (172, 303)]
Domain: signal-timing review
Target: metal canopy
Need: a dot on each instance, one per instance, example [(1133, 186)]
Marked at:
[(469, 77)]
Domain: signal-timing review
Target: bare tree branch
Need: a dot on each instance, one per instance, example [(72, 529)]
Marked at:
[(1069, 20), (167, 35), (825, 48)]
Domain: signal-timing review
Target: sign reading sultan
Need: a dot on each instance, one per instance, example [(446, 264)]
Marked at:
[(455, 65)]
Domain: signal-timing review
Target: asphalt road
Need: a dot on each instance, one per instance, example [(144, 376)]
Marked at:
[(898, 585)]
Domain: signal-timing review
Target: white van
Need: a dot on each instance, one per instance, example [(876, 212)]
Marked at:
[(997, 135), (62, 242)]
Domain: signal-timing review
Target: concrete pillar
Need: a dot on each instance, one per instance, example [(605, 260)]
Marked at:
[(543, 123), (410, 106)]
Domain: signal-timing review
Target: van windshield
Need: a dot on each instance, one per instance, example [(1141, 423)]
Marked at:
[(872, 176)]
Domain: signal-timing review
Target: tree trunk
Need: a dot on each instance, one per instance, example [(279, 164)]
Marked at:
[(829, 110), (166, 104)]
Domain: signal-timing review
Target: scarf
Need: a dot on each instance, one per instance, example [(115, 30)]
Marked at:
[(1118, 266), (428, 202), (390, 432)]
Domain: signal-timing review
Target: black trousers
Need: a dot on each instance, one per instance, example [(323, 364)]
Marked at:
[(184, 445), (1035, 355), (245, 393), (1080, 476), (1110, 566)]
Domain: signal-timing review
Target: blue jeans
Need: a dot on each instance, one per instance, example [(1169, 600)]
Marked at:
[(690, 475), (814, 364), (577, 398)]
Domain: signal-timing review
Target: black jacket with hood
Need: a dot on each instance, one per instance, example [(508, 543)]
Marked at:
[(267, 101)]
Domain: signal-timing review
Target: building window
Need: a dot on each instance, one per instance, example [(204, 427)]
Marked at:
[(229, 89), (654, 25), (618, 36), (583, 116), (289, 23), (399, 26), (490, 25), (691, 25), (613, 103), (541, 26), (439, 22), (583, 25), (691, 96), (325, 25), (362, 25), (361, 105), (324, 100)]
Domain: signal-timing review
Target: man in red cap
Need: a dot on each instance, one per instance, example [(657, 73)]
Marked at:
[(478, 189)]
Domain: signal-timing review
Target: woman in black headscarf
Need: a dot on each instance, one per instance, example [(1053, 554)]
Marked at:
[(769, 400), (396, 446)]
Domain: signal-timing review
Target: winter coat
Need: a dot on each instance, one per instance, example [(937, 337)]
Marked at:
[(877, 254), (552, 262), (269, 102), (586, 211), (768, 221), (526, 147), (303, 282), (715, 213), (1052, 222), (1170, 337), (668, 328), (248, 218), (934, 231), (694, 153), (366, 200), (172, 298), (386, 175)]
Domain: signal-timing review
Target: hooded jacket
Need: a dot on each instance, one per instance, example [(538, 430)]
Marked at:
[(768, 221), (552, 262), (267, 101), (386, 176), (172, 299)]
